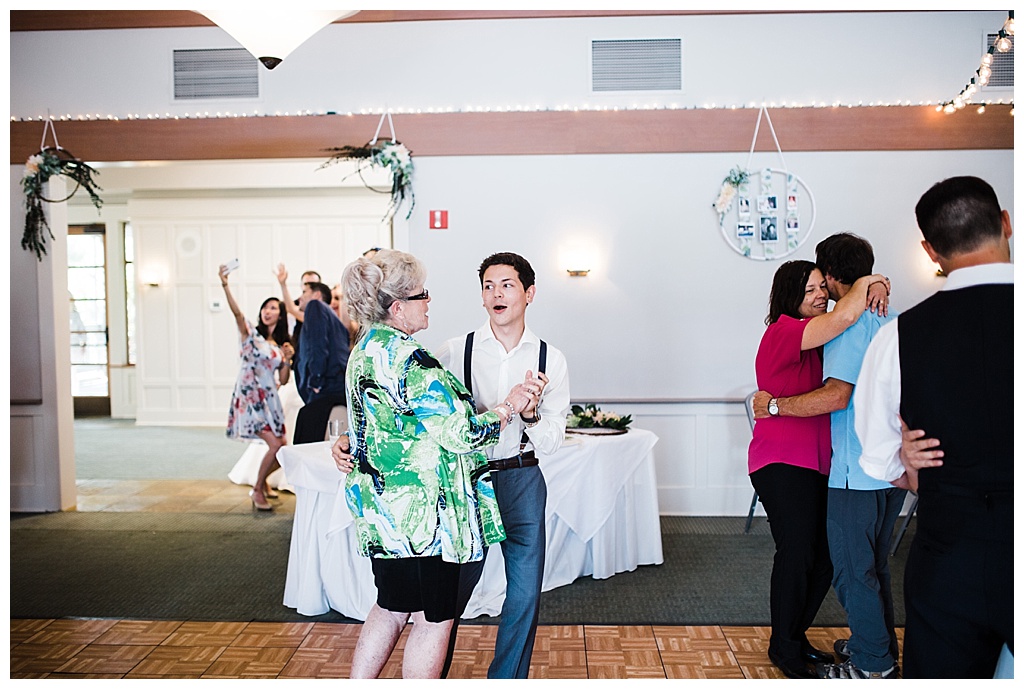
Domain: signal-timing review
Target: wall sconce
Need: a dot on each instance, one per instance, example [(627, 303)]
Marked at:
[(577, 256), (271, 35), (153, 277)]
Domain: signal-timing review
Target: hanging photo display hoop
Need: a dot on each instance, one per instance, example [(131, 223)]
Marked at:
[(767, 214)]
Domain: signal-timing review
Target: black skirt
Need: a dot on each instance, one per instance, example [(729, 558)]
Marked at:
[(417, 584)]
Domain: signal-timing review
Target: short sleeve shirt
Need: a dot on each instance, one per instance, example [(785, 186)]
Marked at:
[(843, 358), (784, 370)]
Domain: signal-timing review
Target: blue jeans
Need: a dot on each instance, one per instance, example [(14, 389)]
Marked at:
[(522, 496), (860, 526)]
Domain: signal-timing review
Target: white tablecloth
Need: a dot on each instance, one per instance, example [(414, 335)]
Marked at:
[(602, 518)]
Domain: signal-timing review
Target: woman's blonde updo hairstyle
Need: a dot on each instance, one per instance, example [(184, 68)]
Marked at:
[(371, 285)]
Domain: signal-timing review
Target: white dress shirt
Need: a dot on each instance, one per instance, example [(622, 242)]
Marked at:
[(876, 397), (496, 371)]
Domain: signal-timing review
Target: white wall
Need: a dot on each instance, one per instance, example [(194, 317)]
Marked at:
[(732, 59), (42, 436), (669, 309), (666, 325)]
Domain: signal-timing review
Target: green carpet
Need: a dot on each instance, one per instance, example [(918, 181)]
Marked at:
[(232, 568), (117, 449)]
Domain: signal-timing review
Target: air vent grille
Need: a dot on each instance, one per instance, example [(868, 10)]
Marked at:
[(654, 64), (215, 74), (1002, 66)]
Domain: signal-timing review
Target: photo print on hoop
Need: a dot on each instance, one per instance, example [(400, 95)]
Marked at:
[(745, 230), (769, 229), (743, 207), (767, 203), (792, 224)]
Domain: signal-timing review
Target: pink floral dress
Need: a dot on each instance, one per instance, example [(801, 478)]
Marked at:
[(255, 405)]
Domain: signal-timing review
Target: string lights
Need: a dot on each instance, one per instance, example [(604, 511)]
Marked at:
[(92, 117), (1002, 44)]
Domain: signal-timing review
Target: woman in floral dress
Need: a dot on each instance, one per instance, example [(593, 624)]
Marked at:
[(255, 411)]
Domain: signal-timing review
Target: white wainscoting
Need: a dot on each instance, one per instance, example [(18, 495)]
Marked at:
[(187, 338)]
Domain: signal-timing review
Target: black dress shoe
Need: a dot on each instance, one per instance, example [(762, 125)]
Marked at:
[(813, 655), (794, 669)]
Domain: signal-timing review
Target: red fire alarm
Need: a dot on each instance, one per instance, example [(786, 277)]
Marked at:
[(439, 220)]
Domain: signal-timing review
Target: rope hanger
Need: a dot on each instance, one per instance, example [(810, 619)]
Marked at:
[(763, 112)]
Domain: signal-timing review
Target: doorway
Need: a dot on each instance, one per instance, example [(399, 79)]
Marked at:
[(90, 334)]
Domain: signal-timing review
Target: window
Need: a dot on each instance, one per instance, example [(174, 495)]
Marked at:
[(87, 290)]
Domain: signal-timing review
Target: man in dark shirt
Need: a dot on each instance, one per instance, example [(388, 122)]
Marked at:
[(295, 311), (324, 344)]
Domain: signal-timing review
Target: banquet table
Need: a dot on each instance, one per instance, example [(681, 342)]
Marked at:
[(601, 519)]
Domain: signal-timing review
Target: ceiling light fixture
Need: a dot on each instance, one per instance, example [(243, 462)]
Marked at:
[(271, 35)]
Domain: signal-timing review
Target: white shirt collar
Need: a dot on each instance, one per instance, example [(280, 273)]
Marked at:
[(984, 274), (486, 334)]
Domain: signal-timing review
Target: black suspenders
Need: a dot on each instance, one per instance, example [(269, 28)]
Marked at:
[(467, 362), (467, 368)]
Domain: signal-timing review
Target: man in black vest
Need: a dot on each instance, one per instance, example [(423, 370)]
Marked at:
[(945, 369)]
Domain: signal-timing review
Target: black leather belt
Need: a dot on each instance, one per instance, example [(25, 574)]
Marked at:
[(527, 459)]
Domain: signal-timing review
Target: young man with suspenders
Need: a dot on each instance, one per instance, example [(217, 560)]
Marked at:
[(502, 353)]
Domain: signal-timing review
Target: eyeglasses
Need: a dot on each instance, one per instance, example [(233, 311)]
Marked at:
[(422, 296)]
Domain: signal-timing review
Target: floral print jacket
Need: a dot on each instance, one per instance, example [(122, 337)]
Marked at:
[(420, 487)]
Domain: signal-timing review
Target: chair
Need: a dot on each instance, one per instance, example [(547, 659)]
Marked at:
[(748, 404), (903, 527)]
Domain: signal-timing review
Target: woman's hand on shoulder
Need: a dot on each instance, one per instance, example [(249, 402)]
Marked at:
[(879, 289)]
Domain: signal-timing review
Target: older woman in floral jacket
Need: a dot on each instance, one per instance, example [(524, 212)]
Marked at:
[(420, 493)]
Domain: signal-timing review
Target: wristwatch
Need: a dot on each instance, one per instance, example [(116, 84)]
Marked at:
[(773, 406), (530, 423)]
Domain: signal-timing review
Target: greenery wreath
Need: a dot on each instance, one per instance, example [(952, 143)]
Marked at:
[(39, 168), (392, 155)]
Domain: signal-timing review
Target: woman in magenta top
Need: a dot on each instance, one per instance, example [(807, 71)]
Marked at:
[(789, 457)]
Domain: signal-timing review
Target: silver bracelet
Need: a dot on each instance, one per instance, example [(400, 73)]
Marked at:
[(510, 408)]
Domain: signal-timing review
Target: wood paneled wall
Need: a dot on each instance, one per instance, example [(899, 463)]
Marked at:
[(887, 128), (76, 20)]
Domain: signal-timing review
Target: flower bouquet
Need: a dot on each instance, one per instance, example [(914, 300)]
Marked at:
[(590, 420), (736, 178)]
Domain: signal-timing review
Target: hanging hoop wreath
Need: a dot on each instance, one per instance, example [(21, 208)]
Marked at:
[(389, 154), (754, 221), (48, 162)]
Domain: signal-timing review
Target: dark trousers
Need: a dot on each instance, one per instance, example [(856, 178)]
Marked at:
[(311, 422), (795, 500), (958, 587)]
